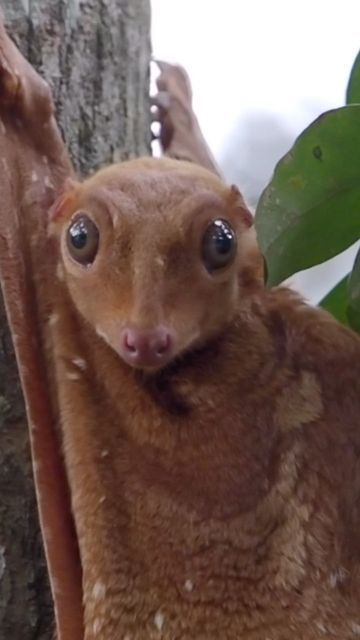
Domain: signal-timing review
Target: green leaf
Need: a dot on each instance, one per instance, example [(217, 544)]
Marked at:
[(336, 301), (310, 211), (353, 311), (353, 88)]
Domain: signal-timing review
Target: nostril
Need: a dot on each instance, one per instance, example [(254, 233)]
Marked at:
[(163, 345), (130, 342)]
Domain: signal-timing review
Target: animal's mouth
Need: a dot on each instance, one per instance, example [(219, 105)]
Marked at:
[(148, 363)]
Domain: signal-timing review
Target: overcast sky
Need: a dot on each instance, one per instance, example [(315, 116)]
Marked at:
[(291, 59)]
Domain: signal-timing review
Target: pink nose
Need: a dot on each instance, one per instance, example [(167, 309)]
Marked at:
[(146, 348)]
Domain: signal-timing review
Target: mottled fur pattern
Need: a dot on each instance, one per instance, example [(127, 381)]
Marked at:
[(217, 497)]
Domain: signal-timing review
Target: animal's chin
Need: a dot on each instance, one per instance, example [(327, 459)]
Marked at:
[(147, 366)]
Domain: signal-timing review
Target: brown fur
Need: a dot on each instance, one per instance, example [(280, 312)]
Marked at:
[(223, 519), (215, 498), (209, 498)]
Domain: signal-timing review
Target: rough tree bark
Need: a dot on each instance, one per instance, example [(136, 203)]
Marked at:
[(95, 55)]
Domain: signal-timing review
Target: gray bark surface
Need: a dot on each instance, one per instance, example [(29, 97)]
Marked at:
[(95, 55)]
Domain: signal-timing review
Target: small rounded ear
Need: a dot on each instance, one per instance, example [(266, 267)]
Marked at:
[(239, 204), (64, 201), (252, 272), (252, 262)]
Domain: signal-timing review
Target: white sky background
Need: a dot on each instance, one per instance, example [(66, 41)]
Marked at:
[(292, 59)]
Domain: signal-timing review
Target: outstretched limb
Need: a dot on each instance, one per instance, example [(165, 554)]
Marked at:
[(33, 167), (180, 134), (30, 138)]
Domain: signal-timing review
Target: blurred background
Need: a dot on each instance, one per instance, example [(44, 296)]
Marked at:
[(261, 72)]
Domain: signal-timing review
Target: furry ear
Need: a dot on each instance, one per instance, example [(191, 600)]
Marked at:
[(238, 202), (252, 266), (64, 201)]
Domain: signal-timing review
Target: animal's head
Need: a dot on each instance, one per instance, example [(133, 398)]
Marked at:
[(155, 254)]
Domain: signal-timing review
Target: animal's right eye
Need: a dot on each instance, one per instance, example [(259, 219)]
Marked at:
[(218, 246), (82, 239)]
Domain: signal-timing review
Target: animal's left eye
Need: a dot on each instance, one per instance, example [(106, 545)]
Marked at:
[(83, 239), (218, 245)]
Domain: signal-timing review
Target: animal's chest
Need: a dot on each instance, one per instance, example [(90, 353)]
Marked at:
[(181, 573), (214, 463), (178, 574), (181, 546), (193, 552), (201, 532)]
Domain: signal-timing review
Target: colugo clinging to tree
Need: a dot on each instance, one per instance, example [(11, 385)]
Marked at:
[(196, 436)]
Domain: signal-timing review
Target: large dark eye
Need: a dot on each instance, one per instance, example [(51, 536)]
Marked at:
[(83, 240), (218, 245)]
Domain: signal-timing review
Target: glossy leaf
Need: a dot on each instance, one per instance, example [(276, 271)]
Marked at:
[(336, 301), (353, 311), (353, 88), (311, 209)]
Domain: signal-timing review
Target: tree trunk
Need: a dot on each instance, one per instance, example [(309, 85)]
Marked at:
[(95, 55)]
